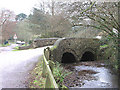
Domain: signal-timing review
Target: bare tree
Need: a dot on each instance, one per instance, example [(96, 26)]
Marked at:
[(53, 7), (99, 15), (7, 23)]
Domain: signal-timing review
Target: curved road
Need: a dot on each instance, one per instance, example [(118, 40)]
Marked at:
[(15, 66)]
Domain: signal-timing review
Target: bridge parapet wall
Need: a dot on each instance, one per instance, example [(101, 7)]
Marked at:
[(44, 42)]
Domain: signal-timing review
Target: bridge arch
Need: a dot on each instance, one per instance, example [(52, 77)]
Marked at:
[(68, 56), (88, 55)]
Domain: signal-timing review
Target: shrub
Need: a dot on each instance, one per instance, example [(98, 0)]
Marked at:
[(59, 74)]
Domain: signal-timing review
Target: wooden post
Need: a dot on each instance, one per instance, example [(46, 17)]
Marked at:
[(48, 53), (44, 67)]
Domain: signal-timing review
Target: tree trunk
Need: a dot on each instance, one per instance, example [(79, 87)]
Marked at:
[(53, 6)]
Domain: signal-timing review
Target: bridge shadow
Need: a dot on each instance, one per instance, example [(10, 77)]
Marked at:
[(68, 58), (88, 56)]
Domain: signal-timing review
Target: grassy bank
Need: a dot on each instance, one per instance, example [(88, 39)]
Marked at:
[(5, 45), (17, 47), (36, 79)]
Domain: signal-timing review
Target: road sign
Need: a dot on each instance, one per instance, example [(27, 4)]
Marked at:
[(15, 36)]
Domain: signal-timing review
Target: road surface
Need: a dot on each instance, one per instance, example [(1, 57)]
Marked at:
[(15, 66)]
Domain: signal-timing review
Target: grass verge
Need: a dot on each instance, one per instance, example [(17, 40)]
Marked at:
[(5, 45), (16, 50), (37, 81), (17, 47), (104, 46)]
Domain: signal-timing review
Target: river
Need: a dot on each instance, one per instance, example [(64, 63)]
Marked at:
[(90, 74)]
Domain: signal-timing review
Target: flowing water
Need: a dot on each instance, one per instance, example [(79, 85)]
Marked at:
[(92, 74)]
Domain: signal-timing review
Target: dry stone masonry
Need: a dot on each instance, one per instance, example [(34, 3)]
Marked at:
[(69, 50), (44, 42)]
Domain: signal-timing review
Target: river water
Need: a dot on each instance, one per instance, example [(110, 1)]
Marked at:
[(91, 74)]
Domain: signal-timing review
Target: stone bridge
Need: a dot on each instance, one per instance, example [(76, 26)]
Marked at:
[(69, 50), (43, 42)]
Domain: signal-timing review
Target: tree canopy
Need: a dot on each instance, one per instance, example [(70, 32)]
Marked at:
[(20, 17)]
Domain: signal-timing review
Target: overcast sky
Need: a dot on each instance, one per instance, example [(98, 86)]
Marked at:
[(18, 6), (24, 6), (21, 6)]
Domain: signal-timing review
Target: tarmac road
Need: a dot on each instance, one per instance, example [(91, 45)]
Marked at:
[(15, 67)]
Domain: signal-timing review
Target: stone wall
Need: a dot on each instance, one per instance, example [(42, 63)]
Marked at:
[(39, 43), (75, 48), (43, 42), (25, 47)]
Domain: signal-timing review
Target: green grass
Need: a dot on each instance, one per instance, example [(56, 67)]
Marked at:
[(16, 50), (52, 48), (104, 46), (59, 74), (21, 50), (5, 45), (0, 45), (17, 47), (36, 79), (25, 45)]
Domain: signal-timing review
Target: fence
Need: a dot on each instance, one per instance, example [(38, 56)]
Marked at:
[(48, 70)]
